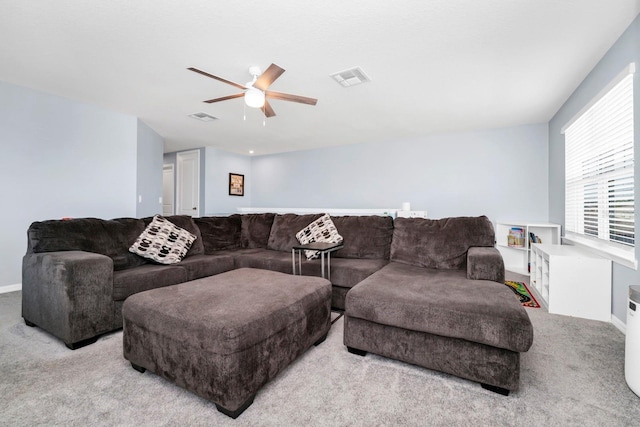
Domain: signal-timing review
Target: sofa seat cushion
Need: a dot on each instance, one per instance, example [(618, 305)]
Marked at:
[(199, 266), (265, 259), (148, 276), (442, 302), (345, 272)]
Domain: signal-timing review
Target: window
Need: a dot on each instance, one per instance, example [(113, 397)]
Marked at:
[(599, 176)]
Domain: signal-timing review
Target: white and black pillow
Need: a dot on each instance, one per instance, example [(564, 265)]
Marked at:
[(163, 242), (321, 230)]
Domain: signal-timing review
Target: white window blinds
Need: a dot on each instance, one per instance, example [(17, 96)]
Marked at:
[(599, 178)]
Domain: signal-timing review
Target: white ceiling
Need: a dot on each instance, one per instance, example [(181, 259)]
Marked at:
[(436, 65)]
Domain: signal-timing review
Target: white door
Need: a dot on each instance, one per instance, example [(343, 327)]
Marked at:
[(168, 189), (188, 191)]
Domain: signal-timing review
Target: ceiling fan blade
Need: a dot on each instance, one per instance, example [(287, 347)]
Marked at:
[(267, 110), (289, 97), (229, 82), (224, 98), (268, 77)]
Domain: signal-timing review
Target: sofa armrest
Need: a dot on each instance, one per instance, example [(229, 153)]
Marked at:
[(68, 293), (485, 263)]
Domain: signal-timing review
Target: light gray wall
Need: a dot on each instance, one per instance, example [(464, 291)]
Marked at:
[(623, 52), (60, 158), (149, 171), (219, 164), (501, 173)]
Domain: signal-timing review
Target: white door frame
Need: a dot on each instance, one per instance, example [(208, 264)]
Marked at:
[(180, 184)]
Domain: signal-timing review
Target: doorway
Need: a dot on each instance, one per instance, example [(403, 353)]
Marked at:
[(188, 183), (168, 190)]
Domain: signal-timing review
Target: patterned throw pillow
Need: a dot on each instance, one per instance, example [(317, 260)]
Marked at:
[(320, 230), (163, 242)]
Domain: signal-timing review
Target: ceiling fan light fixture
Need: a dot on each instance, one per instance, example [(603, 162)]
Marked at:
[(254, 98)]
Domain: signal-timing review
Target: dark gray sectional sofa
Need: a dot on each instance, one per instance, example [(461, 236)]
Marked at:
[(440, 280)]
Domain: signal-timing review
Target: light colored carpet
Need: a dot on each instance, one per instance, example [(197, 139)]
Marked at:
[(573, 375)]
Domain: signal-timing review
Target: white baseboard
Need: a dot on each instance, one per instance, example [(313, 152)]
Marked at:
[(10, 288), (619, 324)]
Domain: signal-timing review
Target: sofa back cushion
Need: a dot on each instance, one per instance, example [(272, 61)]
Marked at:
[(439, 243), (284, 229), (256, 229), (220, 232), (367, 237), (106, 237), (186, 222)]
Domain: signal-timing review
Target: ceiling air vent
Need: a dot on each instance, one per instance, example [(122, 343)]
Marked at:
[(350, 77), (203, 116)]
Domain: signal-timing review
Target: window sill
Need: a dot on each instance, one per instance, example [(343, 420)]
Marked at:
[(623, 257)]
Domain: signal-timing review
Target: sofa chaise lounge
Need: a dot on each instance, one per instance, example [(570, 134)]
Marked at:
[(441, 303)]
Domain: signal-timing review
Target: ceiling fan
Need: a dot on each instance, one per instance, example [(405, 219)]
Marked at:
[(256, 91)]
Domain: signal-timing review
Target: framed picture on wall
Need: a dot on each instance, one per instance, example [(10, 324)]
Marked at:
[(236, 184)]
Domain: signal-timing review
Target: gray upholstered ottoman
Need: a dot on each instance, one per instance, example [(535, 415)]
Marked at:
[(223, 337)]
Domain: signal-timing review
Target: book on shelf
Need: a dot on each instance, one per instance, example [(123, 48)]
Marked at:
[(515, 238), (534, 238)]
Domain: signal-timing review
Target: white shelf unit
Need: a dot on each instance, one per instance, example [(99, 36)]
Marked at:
[(517, 259), (572, 281)]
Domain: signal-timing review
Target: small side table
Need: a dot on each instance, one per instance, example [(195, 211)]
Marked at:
[(323, 248)]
